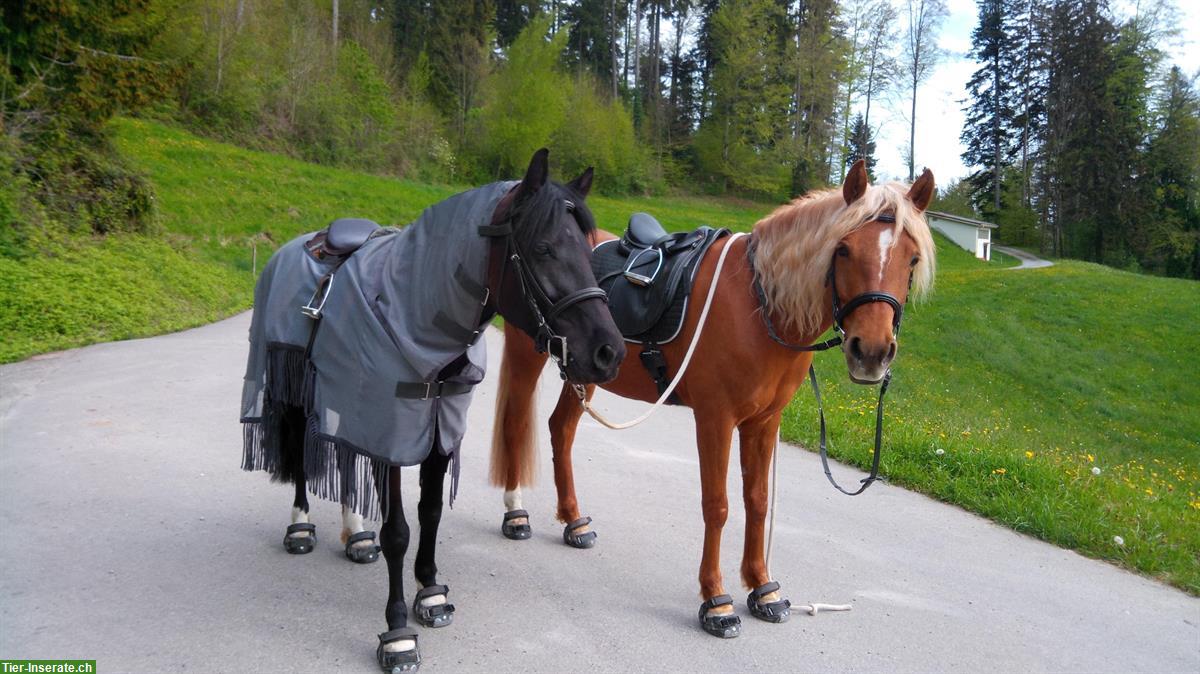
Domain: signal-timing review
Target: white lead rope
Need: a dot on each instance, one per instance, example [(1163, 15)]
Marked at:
[(712, 291), (815, 607)]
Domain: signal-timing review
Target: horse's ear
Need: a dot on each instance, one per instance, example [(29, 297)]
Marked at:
[(583, 184), (856, 182), (921, 192), (538, 171)]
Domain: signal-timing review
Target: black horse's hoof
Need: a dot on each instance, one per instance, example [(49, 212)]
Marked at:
[(724, 626), (300, 545), (777, 611), (516, 532), (582, 540), (394, 662), (439, 615), (362, 554)]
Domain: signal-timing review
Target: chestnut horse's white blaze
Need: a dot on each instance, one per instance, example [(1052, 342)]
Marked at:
[(886, 239)]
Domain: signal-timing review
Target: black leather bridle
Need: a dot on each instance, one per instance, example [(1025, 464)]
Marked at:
[(840, 312), (543, 309)]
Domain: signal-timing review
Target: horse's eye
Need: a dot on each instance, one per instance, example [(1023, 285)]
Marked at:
[(913, 262), (543, 249), (843, 250)]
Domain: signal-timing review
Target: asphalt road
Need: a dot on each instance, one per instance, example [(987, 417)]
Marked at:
[(128, 535), (1028, 260)]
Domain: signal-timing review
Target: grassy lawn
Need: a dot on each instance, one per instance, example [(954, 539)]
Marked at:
[(1029, 381), (1026, 380)]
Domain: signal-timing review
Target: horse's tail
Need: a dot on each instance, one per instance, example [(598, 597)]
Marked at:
[(514, 438)]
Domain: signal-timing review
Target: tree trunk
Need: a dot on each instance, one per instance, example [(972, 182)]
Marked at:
[(612, 43)]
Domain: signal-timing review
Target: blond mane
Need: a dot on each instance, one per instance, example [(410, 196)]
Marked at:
[(795, 243)]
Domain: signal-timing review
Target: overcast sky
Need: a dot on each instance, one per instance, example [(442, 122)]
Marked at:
[(939, 111)]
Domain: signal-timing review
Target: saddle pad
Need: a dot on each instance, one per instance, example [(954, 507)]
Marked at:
[(653, 313)]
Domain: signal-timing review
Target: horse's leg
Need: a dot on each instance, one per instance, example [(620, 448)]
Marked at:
[(360, 544), (297, 540), (713, 434), (429, 514), (758, 438), (514, 436), (393, 539), (564, 423)]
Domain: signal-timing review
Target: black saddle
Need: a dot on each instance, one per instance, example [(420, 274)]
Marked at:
[(333, 246), (648, 276), (346, 235)]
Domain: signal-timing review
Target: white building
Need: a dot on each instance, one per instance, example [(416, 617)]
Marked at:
[(972, 235)]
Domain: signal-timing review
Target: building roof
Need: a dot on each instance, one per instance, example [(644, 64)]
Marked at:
[(961, 219)]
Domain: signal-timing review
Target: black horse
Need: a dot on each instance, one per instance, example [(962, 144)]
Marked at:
[(322, 406)]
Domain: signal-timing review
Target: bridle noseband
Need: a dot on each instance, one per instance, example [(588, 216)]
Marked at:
[(543, 309), (840, 312)]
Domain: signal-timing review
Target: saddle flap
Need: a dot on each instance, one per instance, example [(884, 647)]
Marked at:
[(347, 235), (648, 286)]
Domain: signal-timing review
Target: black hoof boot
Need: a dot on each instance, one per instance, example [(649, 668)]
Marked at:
[(582, 541), (398, 661), (777, 611), (516, 532), (724, 626), (433, 616), (362, 554), (300, 545)]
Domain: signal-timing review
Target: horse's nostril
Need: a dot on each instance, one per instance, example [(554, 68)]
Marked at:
[(604, 356), (856, 348), (891, 352)]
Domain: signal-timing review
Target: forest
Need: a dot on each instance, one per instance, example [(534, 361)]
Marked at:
[(1082, 140)]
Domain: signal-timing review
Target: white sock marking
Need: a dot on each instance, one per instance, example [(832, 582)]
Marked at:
[(512, 499), (351, 521)]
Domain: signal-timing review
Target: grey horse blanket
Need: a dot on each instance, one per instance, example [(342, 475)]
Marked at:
[(403, 314)]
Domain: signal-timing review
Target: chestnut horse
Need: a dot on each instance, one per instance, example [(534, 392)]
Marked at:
[(865, 239)]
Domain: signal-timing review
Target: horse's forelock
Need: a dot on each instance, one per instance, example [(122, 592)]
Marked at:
[(545, 207)]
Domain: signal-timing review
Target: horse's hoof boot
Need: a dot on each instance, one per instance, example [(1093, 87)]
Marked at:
[(582, 541), (439, 615), (516, 532), (300, 545), (724, 626), (777, 611)]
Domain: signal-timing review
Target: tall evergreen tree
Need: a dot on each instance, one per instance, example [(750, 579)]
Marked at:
[(512, 16), (988, 135), (459, 39), (861, 145), (590, 37), (1171, 242)]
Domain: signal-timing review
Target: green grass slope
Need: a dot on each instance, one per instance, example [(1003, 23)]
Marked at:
[(1026, 380)]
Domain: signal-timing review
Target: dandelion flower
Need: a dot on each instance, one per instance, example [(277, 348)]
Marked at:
[(1095, 470), (999, 471), (939, 451), (1028, 454)]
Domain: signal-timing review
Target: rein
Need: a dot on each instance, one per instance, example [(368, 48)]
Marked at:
[(532, 291), (839, 313)]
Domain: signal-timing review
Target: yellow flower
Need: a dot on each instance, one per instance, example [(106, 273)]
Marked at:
[(1195, 504), (1149, 491), (999, 471), (1090, 458), (1028, 455)]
